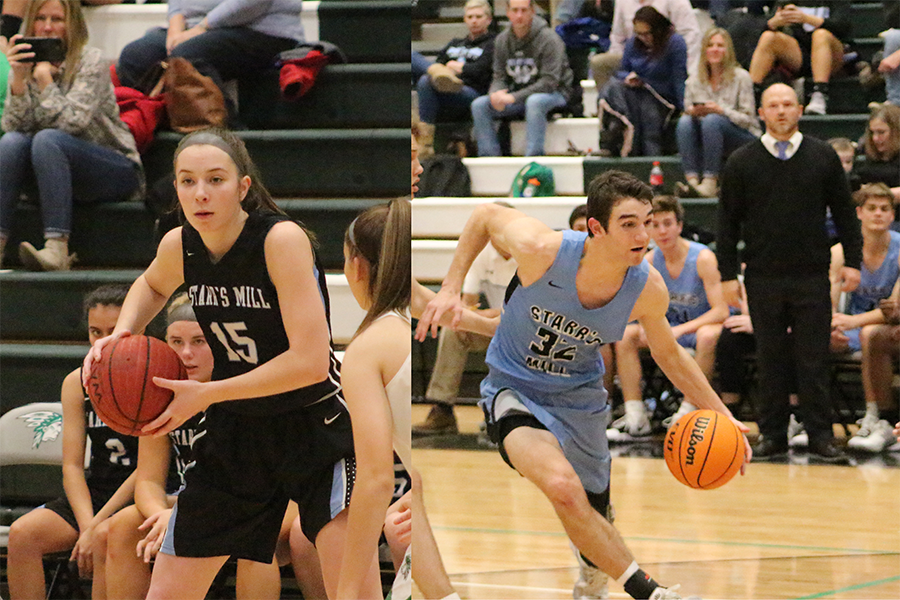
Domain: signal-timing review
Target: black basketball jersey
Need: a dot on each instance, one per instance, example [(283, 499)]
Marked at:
[(113, 455), (237, 306)]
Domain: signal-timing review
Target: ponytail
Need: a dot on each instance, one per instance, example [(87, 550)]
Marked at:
[(381, 236)]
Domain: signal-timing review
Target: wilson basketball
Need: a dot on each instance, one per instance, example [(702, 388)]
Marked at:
[(704, 449), (121, 384)]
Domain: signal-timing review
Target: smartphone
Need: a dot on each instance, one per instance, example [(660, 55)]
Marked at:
[(45, 49)]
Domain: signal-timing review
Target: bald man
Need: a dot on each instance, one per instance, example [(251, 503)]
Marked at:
[(775, 191)]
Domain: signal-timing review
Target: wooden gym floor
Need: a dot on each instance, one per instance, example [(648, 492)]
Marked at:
[(791, 530)]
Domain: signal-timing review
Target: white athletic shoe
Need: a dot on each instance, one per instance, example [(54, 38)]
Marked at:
[(629, 428), (797, 436), (671, 593), (685, 408), (873, 436), (592, 584), (817, 104)]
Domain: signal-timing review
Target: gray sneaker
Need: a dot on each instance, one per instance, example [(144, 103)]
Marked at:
[(797, 436), (817, 104)]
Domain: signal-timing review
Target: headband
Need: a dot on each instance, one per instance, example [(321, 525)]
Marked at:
[(207, 138)]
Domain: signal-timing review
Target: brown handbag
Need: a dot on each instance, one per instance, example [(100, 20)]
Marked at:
[(193, 101)]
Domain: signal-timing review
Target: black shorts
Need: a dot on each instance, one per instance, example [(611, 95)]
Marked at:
[(500, 428), (61, 506), (246, 469)]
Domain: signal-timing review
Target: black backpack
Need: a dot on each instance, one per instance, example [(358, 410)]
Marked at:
[(445, 176)]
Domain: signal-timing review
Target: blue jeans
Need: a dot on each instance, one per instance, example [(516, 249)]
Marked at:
[(535, 109), (703, 142), (67, 169), (892, 79), (420, 65), (431, 100)]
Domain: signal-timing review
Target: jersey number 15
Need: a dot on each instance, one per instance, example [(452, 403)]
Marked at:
[(244, 347)]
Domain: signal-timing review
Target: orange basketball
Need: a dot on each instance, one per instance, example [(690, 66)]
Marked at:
[(121, 385), (704, 449)]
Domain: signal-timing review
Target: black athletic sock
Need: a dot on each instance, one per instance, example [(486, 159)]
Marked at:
[(640, 585), (9, 25), (821, 87)]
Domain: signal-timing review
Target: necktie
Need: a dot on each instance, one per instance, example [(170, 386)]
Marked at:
[(782, 150)]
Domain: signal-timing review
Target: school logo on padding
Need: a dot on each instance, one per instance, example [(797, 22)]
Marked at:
[(47, 426)]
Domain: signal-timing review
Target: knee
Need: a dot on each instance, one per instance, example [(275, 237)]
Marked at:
[(423, 85), (101, 538), (14, 143), (822, 36), (685, 124), (565, 492), (767, 39), (46, 138), (877, 338), (713, 122), (537, 106), (24, 538), (481, 106)]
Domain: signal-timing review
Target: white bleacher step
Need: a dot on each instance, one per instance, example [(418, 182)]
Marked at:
[(443, 32), (583, 133), (493, 175), (431, 258), (346, 315), (445, 217), (112, 27)]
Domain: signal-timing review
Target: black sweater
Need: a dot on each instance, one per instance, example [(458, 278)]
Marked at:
[(778, 208), (477, 57)]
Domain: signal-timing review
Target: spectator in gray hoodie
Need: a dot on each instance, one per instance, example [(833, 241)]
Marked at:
[(531, 78)]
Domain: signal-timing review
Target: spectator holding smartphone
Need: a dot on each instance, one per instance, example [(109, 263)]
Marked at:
[(62, 124)]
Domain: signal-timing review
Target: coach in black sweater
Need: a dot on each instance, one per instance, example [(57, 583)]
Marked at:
[(774, 194)]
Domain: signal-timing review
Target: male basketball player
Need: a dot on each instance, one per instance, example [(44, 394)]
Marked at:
[(543, 399)]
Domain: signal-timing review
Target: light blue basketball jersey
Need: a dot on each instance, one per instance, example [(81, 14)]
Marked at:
[(687, 296), (874, 286), (547, 341)]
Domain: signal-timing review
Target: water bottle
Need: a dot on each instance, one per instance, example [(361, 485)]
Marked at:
[(656, 178)]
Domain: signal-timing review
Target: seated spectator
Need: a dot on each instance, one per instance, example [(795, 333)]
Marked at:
[(647, 91), (852, 330), (62, 125), (878, 358), (531, 77), (578, 218), (890, 62), (719, 113), (696, 311), (222, 39), (461, 73), (804, 37), (846, 151), (490, 275), (881, 148), (605, 65)]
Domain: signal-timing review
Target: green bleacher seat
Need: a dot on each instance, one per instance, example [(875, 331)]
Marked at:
[(122, 234), (313, 163), (637, 166), (34, 372), (368, 30), (341, 97)]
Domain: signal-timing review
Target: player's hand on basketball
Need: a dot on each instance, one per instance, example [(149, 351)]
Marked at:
[(94, 353), (446, 302), (748, 451), (83, 552), (157, 524), (190, 398)]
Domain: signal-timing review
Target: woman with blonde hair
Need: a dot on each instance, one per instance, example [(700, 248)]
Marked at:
[(881, 148), (62, 124), (719, 113)]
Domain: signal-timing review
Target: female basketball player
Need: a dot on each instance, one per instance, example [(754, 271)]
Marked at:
[(276, 427), (143, 525), (73, 520)]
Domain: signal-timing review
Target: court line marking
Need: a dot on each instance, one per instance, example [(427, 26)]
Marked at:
[(851, 588), (565, 592), (670, 540)]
